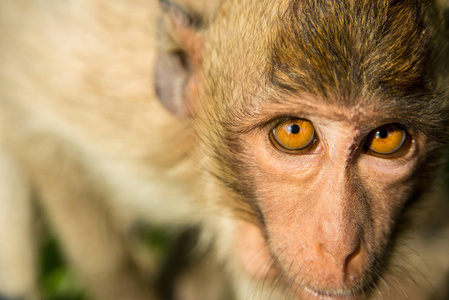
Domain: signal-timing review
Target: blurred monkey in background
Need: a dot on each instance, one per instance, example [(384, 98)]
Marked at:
[(303, 141)]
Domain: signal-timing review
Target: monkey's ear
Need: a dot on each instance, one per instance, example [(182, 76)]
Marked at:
[(179, 58)]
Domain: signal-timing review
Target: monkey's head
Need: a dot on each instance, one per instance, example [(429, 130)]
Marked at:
[(324, 122)]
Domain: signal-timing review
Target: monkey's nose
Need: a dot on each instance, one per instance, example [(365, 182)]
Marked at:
[(339, 265)]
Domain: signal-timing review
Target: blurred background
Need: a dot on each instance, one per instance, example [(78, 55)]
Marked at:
[(58, 282)]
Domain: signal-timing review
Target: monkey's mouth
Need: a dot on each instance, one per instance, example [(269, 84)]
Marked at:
[(357, 291), (335, 294), (356, 287)]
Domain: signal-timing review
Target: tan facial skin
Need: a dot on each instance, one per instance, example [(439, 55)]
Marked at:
[(328, 210)]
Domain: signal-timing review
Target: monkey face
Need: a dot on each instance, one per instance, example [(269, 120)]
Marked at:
[(320, 137), (329, 208)]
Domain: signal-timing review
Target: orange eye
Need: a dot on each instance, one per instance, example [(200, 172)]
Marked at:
[(293, 135), (388, 140)]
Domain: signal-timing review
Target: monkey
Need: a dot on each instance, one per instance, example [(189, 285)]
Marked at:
[(302, 143)]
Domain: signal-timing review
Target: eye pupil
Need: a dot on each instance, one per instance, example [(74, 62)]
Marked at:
[(383, 133), (295, 129)]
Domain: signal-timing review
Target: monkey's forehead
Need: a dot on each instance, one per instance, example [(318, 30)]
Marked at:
[(330, 47), (380, 54), (353, 48)]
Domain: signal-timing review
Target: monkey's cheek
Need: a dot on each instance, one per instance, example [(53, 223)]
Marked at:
[(253, 252)]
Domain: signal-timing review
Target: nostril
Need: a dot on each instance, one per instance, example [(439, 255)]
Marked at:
[(332, 254), (353, 255), (354, 262)]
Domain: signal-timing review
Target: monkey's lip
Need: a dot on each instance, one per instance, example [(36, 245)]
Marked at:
[(353, 289), (334, 294)]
